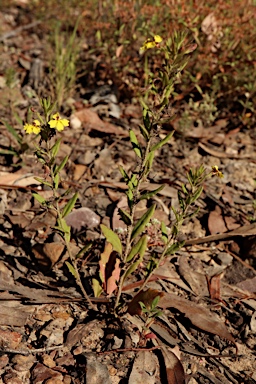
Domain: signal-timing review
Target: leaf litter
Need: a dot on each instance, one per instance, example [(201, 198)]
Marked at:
[(47, 333)]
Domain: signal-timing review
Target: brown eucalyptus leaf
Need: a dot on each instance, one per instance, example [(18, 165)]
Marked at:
[(199, 316), (174, 370)]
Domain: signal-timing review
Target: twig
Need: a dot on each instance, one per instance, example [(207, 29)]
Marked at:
[(16, 31), (30, 351)]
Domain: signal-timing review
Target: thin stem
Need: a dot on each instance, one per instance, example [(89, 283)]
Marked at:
[(132, 213), (67, 243)]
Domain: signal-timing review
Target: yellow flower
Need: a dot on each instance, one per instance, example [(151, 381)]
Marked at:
[(151, 43), (58, 123), (158, 39), (33, 128), (217, 172)]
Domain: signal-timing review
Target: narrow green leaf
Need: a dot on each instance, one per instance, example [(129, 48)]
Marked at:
[(132, 268), (70, 205), (164, 232), (142, 251), (143, 221), (148, 195), (97, 289), (8, 152), (126, 218), (184, 189), (155, 302), (56, 180), (139, 248), (124, 174), (162, 142), (61, 166), (146, 120), (129, 195), (174, 248), (43, 181), (112, 238), (135, 144), (13, 132), (149, 161), (144, 132), (39, 198), (181, 201), (197, 194), (55, 148), (190, 177), (62, 225), (71, 269)]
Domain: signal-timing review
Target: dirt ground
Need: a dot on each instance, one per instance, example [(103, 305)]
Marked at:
[(48, 333)]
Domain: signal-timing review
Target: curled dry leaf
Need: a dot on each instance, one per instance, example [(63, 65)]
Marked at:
[(109, 269)]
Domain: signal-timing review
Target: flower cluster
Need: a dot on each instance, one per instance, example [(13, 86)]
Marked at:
[(151, 43), (56, 123)]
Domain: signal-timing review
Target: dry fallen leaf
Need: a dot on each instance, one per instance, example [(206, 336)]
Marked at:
[(174, 370), (144, 368), (48, 254), (199, 316), (91, 121)]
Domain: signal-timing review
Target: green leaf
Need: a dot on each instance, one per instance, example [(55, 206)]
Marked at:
[(61, 166), (190, 177), (55, 148), (143, 221), (149, 161), (197, 194), (146, 120), (39, 198), (97, 289), (43, 181), (139, 248), (181, 201), (70, 205), (56, 180), (162, 142), (129, 195), (184, 189), (13, 132), (174, 248), (164, 232), (155, 302), (112, 238), (71, 269), (135, 144), (126, 218), (144, 132), (148, 195), (142, 251), (83, 250), (124, 174)]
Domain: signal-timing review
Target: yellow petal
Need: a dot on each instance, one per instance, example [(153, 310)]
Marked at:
[(158, 39), (53, 123), (59, 125), (36, 123)]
